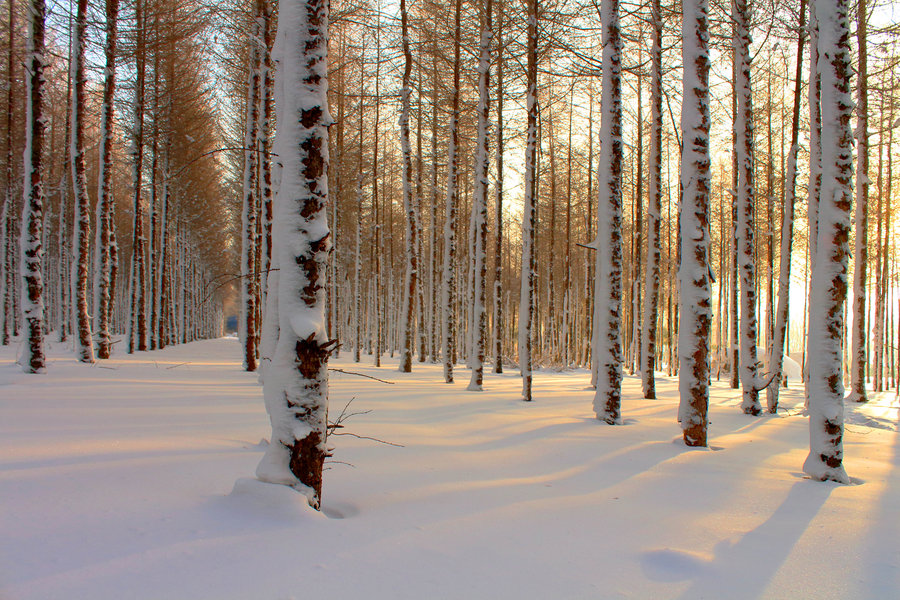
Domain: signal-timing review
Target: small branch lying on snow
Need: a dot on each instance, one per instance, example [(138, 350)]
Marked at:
[(178, 365)]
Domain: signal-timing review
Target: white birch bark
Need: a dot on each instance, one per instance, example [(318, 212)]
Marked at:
[(828, 288), (104, 224), (860, 250), (448, 292), (776, 358), (746, 207), (654, 208), (296, 382), (695, 313), (250, 209), (412, 259), (84, 345), (529, 214), (479, 202), (608, 273), (32, 359)]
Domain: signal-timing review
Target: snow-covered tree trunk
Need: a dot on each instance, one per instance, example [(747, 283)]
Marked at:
[(776, 358), (608, 286), (637, 230), (448, 292), (498, 214), (296, 382), (81, 240), (828, 288), (32, 251), (378, 312), (434, 279), (815, 160), (104, 223), (161, 300), (412, 259), (264, 11), (529, 214), (357, 267), (695, 313), (7, 247), (480, 200), (654, 208), (746, 206), (882, 234), (250, 209), (860, 250), (136, 334)]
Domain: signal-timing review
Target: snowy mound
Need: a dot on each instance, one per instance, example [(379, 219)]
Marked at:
[(277, 501)]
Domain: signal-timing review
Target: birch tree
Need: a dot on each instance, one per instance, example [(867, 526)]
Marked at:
[(104, 222), (608, 287), (529, 214), (7, 217), (776, 357), (448, 295), (695, 314), (498, 211), (409, 205), (32, 250), (860, 251), (81, 241), (480, 199), (828, 288), (250, 206), (746, 206), (654, 209), (296, 382), (136, 334)]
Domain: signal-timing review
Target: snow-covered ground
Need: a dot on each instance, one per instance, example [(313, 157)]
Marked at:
[(132, 479)]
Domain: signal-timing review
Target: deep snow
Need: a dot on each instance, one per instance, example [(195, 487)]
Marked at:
[(132, 479)]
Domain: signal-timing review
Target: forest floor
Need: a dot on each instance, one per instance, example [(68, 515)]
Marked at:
[(132, 479)]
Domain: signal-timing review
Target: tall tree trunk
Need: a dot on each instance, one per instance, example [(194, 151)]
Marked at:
[(265, 158), (498, 214), (776, 358), (103, 252), (637, 232), (296, 388), (815, 162), (250, 210), (861, 246), (136, 334), (7, 218), (480, 199), (434, 283), (81, 240), (529, 214), (694, 291), (608, 290), (654, 208), (448, 299), (746, 206), (829, 278), (376, 223), (357, 264), (409, 205), (32, 251)]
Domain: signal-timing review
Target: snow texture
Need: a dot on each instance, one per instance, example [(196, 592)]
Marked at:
[(143, 493)]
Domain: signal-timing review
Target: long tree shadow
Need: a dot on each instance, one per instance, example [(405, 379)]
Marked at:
[(744, 569), (883, 560)]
